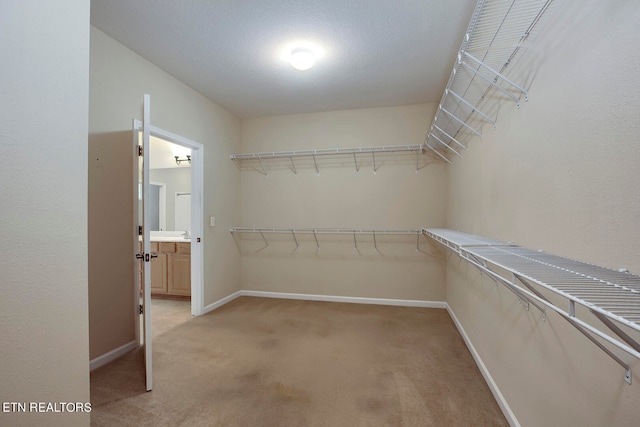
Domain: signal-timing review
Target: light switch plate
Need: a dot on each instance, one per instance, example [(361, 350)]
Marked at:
[(212, 221)]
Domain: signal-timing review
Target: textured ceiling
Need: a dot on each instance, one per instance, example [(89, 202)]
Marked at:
[(370, 53)]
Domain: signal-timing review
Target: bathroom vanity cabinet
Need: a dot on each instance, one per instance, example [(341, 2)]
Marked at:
[(171, 270)]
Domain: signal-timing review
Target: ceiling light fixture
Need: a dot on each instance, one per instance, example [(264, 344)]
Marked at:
[(302, 59)]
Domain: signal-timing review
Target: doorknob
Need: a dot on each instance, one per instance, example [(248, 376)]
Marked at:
[(146, 257)]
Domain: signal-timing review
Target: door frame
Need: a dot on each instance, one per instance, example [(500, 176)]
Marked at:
[(197, 217), (162, 203)]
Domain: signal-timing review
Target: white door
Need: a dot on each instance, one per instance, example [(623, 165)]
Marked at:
[(144, 256)]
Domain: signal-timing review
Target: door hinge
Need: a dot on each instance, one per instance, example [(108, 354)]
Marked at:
[(139, 230), (140, 152), (141, 309)]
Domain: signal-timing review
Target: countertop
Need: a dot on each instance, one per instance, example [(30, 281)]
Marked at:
[(171, 239)]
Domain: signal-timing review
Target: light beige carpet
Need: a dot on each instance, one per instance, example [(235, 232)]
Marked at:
[(271, 362)]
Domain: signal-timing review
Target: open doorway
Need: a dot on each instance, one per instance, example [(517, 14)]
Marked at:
[(170, 230), (176, 226)]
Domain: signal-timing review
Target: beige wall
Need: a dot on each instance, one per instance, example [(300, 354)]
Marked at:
[(118, 80), (44, 349), (559, 174), (396, 197)]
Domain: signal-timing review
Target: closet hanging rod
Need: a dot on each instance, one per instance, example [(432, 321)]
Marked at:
[(328, 151)]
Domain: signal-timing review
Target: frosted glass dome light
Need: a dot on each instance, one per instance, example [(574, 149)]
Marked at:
[(302, 59)]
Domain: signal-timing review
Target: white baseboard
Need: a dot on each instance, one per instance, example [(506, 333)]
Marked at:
[(221, 302), (497, 394), (112, 355), (353, 300)]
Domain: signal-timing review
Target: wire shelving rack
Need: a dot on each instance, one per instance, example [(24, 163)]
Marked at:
[(479, 80), (591, 293)]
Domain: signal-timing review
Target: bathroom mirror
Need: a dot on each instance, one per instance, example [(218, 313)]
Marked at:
[(170, 186)]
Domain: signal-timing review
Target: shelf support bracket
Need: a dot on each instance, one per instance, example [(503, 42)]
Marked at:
[(293, 165), (440, 155), (619, 332), (263, 171), (316, 164), (513, 282), (443, 143), (293, 233), (355, 160), (571, 320), (235, 161), (473, 108), (516, 290), (265, 239), (450, 137), (498, 74), (355, 242), (491, 82), (375, 243), (627, 370), (317, 243), (453, 116), (535, 292), (373, 155)]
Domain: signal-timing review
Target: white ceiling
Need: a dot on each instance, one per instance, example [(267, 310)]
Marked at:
[(370, 53)]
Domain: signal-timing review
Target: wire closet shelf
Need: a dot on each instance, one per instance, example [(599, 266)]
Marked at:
[(610, 296), (335, 231), (354, 153), (478, 82)]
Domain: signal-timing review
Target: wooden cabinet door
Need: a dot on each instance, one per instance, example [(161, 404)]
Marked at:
[(159, 274), (183, 248), (179, 274)]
